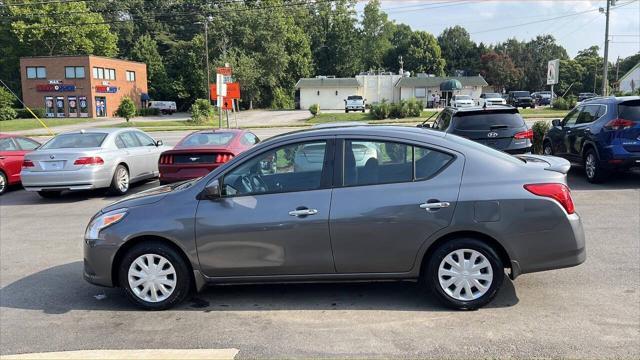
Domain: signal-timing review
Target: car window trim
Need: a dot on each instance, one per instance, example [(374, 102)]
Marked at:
[(338, 178), (143, 134), (15, 140), (15, 144), (326, 175)]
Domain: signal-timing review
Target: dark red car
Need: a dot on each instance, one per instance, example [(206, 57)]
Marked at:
[(12, 150), (198, 153)]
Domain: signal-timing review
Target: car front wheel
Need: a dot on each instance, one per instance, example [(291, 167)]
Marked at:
[(154, 276), (464, 274)]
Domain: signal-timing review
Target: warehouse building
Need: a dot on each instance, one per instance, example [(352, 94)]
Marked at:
[(330, 92), (81, 86)]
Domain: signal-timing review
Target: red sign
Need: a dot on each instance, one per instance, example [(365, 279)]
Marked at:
[(55, 87), (106, 89), (227, 103), (226, 71), (233, 91)]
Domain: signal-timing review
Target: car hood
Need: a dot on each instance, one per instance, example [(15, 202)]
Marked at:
[(142, 198)]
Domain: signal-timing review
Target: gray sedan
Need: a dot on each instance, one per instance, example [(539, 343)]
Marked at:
[(433, 207), (91, 159)]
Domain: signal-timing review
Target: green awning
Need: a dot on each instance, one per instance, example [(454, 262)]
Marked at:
[(450, 85)]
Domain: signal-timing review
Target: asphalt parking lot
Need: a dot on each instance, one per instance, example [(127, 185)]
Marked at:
[(592, 310)]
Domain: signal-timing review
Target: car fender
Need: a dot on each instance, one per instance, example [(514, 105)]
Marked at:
[(590, 143)]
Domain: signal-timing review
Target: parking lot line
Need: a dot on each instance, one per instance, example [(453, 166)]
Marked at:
[(155, 354)]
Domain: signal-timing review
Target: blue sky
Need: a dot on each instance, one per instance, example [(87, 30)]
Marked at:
[(578, 23)]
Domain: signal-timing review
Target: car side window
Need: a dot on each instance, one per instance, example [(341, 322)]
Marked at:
[(376, 162), (129, 140), (26, 144), (428, 162), (444, 123), (571, 118), (249, 139), (145, 139), (588, 114), (7, 144), (293, 167)]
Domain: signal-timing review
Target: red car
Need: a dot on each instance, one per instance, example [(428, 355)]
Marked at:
[(198, 153), (12, 150)]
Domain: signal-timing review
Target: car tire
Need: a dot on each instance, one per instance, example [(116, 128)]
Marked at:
[(362, 110), (346, 111), (460, 292), (50, 194), (547, 149), (120, 182), (592, 168), (171, 273), (4, 183)]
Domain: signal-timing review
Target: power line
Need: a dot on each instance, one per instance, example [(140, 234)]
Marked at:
[(533, 22)]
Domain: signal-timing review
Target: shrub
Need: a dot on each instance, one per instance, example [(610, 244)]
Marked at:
[(148, 112), (25, 114), (572, 101), (414, 107), (282, 100), (380, 111), (560, 103), (202, 111), (314, 109), (126, 109), (6, 103), (539, 129)]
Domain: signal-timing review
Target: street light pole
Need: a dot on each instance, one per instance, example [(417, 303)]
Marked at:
[(605, 66), (206, 50)]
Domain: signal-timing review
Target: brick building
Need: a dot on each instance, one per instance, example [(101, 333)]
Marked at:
[(81, 86)]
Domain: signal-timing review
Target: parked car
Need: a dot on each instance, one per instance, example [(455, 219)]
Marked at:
[(459, 101), (487, 99), (499, 127), (440, 209), (520, 99), (542, 98), (165, 107), (586, 95), (202, 151), (91, 159), (601, 134), (12, 151), (354, 103)]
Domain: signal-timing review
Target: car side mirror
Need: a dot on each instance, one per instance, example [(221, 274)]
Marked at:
[(159, 143), (212, 190), (426, 126), (556, 123)]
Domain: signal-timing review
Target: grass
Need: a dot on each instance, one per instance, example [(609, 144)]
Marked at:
[(28, 124), (323, 118), (546, 112)]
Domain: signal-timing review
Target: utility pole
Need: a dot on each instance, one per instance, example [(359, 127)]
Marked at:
[(605, 70), (206, 50)]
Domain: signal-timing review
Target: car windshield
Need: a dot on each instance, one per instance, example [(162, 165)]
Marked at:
[(492, 95), (520, 93), (75, 141), (463, 97), (629, 110), (486, 121), (355, 97), (207, 139)]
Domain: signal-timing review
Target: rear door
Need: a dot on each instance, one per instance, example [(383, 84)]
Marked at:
[(137, 155), (152, 152), (384, 209)]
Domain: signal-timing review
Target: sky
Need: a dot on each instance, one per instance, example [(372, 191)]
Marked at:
[(576, 24)]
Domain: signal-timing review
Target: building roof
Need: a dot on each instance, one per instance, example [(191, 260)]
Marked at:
[(79, 56), (327, 82), (628, 73), (435, 81)]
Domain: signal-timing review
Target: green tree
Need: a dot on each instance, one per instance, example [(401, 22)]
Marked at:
[(146, 50), (499, 71), (202, 112), (6, 105), (126, 109), (376, 35), (591, 62), (458, 50), (571, 78)]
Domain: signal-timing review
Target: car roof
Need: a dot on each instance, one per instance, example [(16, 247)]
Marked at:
[(213, 131), (495, 109), (359, 130), (609, 99)]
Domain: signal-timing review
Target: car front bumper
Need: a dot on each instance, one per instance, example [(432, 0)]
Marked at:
[(88, 178), (98, 258)]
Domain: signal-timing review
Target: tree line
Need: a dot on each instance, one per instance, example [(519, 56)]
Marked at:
[(272, 43)]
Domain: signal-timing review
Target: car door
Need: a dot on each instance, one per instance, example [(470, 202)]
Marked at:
[(136, 154), (383, 209), (562, 141), (582, 130), (273, 216), (11, 157), (152, 152)]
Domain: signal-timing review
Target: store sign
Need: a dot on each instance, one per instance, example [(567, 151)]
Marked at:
[(553, 72), (55, 87), (55, 82), (106, 89)]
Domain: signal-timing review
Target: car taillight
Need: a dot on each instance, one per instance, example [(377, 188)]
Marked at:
[(524, 135), (166, 159), (27, 164), (223, 158), (558, 192), (619, 124), (89, 160)]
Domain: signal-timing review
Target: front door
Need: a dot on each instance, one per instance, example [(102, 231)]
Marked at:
[(273, 218), (565, 138), (387, 208), (101, 106)]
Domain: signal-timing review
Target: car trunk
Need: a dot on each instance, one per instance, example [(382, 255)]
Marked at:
[(196, 156), (496, 130), (627, 128), (59, 159)]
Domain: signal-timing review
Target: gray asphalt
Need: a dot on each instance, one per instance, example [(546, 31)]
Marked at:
[(592, 310)]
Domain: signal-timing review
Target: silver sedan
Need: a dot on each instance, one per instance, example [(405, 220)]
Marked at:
[(92, 159)]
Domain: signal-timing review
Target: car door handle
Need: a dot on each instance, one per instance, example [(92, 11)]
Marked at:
[(303, 212), (434, 205)]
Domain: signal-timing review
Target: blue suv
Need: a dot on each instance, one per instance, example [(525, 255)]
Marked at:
[(603, 134)]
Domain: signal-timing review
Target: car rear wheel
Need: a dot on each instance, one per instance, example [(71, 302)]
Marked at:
[(464, 274), (547, 149), (3, 183), (120, 181), (50, 194), (154, 276), (592, 168)]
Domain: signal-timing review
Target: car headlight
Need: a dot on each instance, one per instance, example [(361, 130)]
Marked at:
[(102, 221)]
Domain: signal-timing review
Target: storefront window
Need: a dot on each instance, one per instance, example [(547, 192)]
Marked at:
[(48, 107), (84, 106), (73, 106), (60, 106)]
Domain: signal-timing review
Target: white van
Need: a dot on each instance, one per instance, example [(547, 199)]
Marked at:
[(166, 107)]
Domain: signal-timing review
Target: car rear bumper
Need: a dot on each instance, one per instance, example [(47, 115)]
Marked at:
[(83, 179), (524, 150), (175, 173)]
